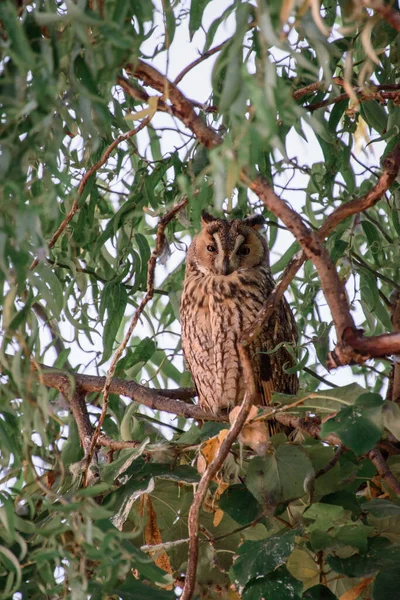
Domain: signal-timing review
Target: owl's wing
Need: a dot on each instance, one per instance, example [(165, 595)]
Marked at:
[(272, 358)]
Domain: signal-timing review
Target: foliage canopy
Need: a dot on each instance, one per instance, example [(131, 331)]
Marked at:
[(109, 119)]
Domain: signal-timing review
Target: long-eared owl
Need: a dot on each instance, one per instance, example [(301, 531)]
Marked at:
[(227, 281)]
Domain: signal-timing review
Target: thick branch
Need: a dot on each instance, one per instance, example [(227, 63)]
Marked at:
[(79, 409), (354, 348), (386, 474), (390, 167), (213, 469), (182, 107), (57, 379), (313, 249)]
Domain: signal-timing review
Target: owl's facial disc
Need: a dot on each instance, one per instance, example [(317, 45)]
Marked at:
[(223, 247)]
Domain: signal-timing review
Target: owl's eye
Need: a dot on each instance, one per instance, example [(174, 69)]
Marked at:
[(243, 251), (211, 248)]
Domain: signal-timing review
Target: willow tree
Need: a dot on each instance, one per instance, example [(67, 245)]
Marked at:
[(115, 135)]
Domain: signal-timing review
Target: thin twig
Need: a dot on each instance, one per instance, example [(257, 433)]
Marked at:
[(329, 465), (199, 60), (148, 296), (213, 469), (395, 95), (61, 228)]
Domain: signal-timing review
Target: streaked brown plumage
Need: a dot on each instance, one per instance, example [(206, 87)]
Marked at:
[(227, 281)]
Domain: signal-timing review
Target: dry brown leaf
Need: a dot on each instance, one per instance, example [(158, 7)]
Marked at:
[(254, 434), (218, 515), (355, 592), (152, 537)]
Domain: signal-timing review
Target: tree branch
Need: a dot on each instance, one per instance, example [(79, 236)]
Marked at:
[(164, 400), (390, 14), (362, 97), (386, 474), (213, 469), (390, 169)]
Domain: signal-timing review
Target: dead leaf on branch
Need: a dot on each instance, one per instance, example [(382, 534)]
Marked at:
[(254, 434)]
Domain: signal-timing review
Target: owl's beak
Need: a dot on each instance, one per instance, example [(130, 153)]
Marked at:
[(225, 270)]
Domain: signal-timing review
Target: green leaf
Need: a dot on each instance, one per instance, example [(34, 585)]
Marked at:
[(387, 584), (72, 451), (375, 115), (110, 472), (114, 299), (239, 504), (260, 558), (21, 51), (132, 589), (197, 8), (381, 554), (359, 426), (319, 592), (391, 418), (381, 508), (279, 477), (279, 584), (368, 288)]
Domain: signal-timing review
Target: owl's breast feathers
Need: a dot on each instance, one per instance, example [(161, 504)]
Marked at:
[(215, 312)]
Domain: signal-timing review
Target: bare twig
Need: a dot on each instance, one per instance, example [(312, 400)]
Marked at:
[(329, 465), (361, 97), (84, 181), (199, 60), (213, 469), (148, 296), (386, 474), (104, 440)]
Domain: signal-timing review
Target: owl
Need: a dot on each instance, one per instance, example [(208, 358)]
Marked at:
[(227, 281)]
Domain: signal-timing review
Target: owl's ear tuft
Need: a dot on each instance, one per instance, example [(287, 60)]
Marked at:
[(206, 218), (255, 221)]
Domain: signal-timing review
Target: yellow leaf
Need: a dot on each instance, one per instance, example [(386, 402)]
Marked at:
[(218, 515), (303, 567), (146, 112)]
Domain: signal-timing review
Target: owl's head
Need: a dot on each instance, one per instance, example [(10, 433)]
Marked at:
[(223, 247)]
